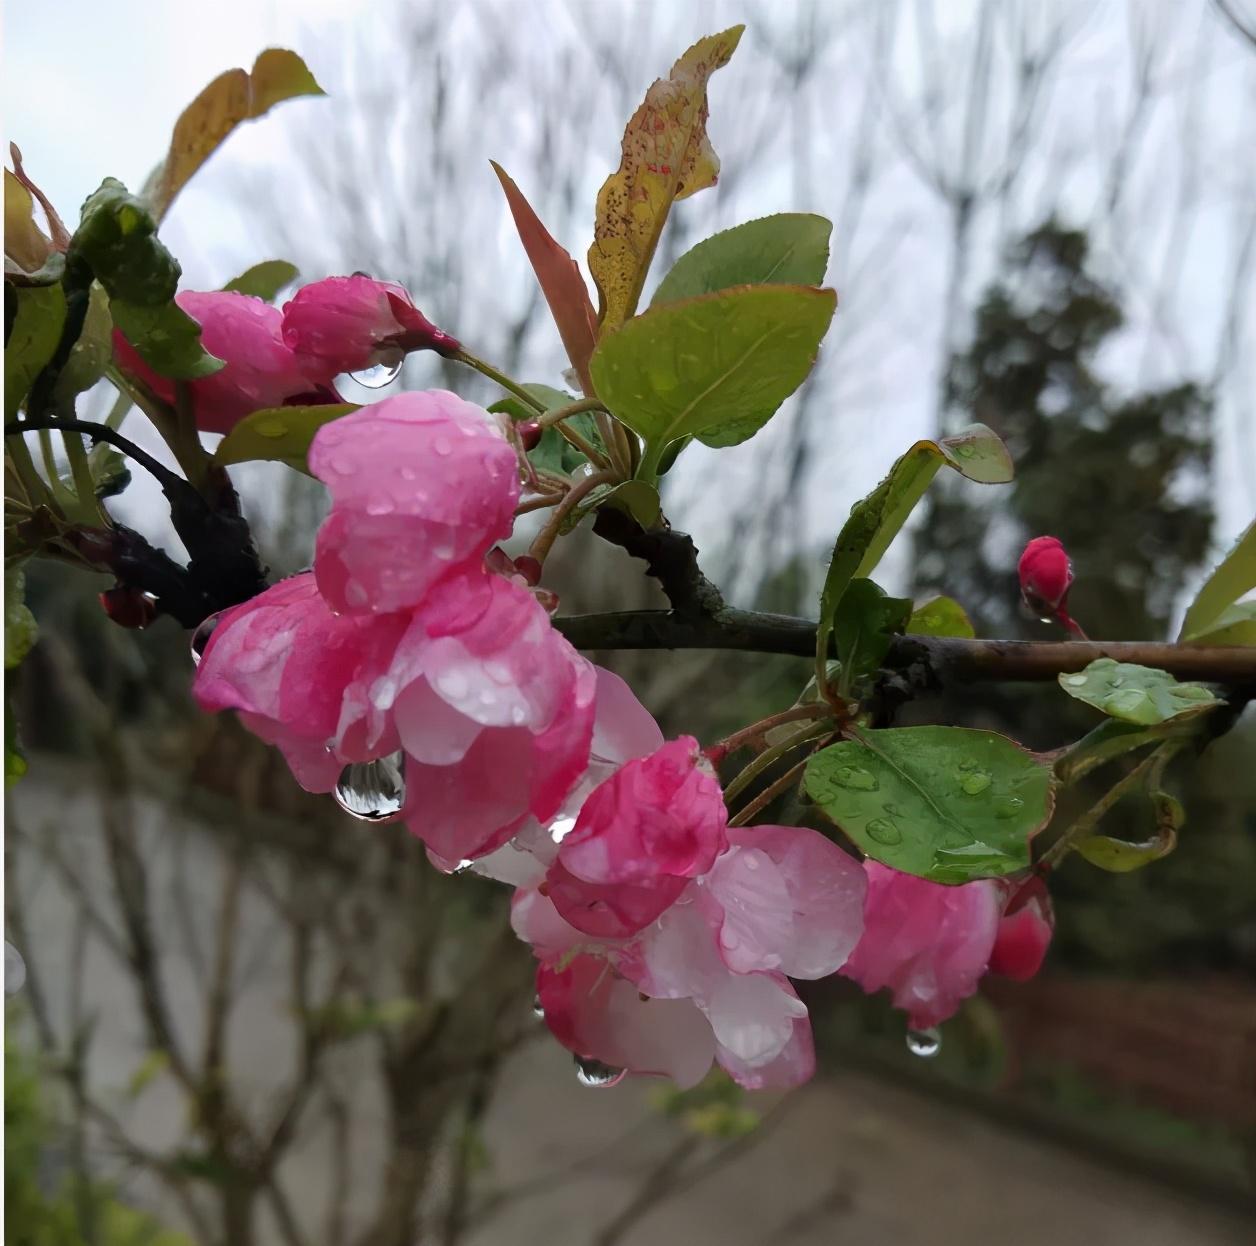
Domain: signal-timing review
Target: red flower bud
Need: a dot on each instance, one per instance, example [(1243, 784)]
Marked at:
[(129, 607), (529, 434), (1045, 577)]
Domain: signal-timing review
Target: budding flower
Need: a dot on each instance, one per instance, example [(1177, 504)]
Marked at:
[(529, 434), (129, 607), (1046, 575)]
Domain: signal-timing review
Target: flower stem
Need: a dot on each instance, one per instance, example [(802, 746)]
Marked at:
[(540, 547), (556, 416), (493, 374), (748, 735), (768, 795), (769, 755)]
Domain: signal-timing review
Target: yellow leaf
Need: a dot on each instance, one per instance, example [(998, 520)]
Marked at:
[(666, 155), (231, 98), (24, 242)]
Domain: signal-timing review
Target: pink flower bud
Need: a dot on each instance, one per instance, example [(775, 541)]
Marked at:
[(348, 324), (1045, 577), (128, 607), (529, 434)]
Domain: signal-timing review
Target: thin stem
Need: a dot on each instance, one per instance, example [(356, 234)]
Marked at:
[(586, 448), (559, 414), (81, 471), (748, 735), (768, 795), (36, 490), (1151, 766), (100, 432), (765, 760), (575, 495), (648, 468), (538, 503), (487, 369)]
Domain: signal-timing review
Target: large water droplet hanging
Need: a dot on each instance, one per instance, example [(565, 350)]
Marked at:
[(14, 970), (200, 637), (925, 1043), (373, 791), (381, 374), (596, 1074), (537, 1010)]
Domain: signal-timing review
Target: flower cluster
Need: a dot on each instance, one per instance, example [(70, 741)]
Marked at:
[(416, 673), (273, 358)]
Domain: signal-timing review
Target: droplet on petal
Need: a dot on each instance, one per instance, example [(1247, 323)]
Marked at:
[(382, 373), (373, 791), (925, 1043), (596, 1074), (200, 637)]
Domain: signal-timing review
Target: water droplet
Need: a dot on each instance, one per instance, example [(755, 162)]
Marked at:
[(1008, 808), (200, 637), (596, 1074), (271, 428), (463, 866), (14, 970), (560, 827), (925, 1043), (965, 451), (1075, 681), (856, 777), (1127, 701), (975, 783), (537, 1011), (373, 791), (382, 373), (892, 809), (884, 831)]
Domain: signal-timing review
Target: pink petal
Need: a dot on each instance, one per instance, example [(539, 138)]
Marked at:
[(929, 944), (610, 910), (659, 815), (623, 728), (794, 1065), (753, 1016), (422, 484), (598, 1015), (1023, 938)]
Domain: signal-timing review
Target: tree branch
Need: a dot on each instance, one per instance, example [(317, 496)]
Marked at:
[(928, 658)]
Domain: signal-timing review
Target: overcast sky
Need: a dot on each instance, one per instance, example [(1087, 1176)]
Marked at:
[(91, 89)]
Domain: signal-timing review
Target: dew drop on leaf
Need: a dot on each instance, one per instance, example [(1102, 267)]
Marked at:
[(975, 783), (857, 778), (373, 791), (925, 1043), (596, 1074), (884, 831)]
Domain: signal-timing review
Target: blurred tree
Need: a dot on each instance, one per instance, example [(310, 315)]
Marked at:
[(1124, 481)]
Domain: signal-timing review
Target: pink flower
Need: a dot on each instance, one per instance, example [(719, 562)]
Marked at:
[(260, 369), (1046, 575), (421, 485), (403, 641), (930, 944), (1024, 934), (347, 324)]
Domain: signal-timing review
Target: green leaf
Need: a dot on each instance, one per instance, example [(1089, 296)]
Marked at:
[(940, 616), (20, 629), (1234, 576), (715, 367), (946, 803), (109, 470), (90, 355), (278, 434), (25, 244), (232, 97), (866, 621), (1235, 625), (666, 155), (554, 453), (638, 499), (1136, 694), (976, 453), (117, 240), (264, 280), (791, 248), (1120, 857), (36, 332), (1111, 739)]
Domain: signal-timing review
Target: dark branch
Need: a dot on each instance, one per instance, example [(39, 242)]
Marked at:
[(938, 657)]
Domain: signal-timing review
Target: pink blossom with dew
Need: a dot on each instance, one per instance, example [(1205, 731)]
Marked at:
[(350, 324), (930, 944), (422, 485), (260, 370)]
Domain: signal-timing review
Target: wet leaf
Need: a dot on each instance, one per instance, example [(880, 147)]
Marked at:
[(34, 337), (666, 156), (715, 367), (1120, 857), (791, 248), (1233, 576), (946, 803), (25, 244), (264, 280), (976, 453), (90, 355), (559, 279), (278, 434), (866, 622), (1235, 625), (233, 97), (1136, 694), (940, 616)]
